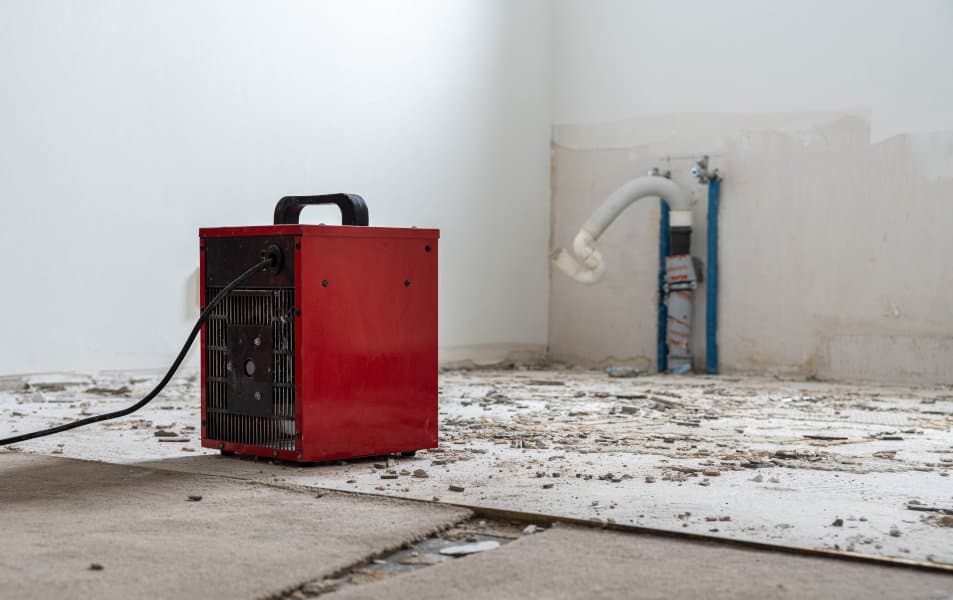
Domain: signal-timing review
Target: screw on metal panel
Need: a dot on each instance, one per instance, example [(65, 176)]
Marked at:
[(298, 245), (427, 248), (258, 341), (325, 283), (406, 283), (257, 395), (297, 312)]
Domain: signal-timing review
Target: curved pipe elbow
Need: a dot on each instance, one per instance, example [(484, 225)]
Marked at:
[(631, 191), (583, 246), (588, 265), (582, 273)]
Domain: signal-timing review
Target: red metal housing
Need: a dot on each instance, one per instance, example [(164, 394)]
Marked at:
[(364, 344)]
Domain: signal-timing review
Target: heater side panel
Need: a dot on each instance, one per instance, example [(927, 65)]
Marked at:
[(368, 345)]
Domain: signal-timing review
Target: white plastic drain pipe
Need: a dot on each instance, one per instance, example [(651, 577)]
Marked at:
[(588, 265)]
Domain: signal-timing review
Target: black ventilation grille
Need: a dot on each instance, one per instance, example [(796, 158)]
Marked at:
[(269, 420)]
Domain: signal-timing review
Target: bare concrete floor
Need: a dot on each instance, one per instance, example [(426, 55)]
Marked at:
[(569, 563), (74, 529), (806, 463), (812, 464), (162, 534)]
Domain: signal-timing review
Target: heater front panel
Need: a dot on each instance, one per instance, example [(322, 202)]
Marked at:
[(249, 350)]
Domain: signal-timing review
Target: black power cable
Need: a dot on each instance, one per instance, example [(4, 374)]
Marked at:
[(271, 260)]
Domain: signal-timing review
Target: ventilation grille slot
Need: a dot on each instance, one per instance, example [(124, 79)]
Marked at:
[(258, 308)]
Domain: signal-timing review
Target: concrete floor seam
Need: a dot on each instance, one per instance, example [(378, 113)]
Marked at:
[(343, 571), (528, 518)]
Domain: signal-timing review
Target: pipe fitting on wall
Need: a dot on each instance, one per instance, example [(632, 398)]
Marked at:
[(701, 172), (588, 266)]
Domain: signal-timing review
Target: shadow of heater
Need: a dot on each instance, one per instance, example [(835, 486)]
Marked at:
[(331, 355)]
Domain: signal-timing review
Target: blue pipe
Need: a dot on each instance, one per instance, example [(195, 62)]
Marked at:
[(711, 288), (663, 250)]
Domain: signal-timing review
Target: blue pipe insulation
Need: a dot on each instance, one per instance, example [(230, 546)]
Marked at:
[(711, 286), (663, 250)]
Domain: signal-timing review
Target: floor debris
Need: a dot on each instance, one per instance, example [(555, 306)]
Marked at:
[(644, 447), (924, 508), (473, 548), (107, 391), (623, 372)]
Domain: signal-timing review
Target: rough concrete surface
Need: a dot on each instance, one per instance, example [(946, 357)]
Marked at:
[(635, 451), (825, 465), (241, 539), (578, 563)]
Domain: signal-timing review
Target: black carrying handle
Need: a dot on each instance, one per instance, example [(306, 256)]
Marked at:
[(353, 208)]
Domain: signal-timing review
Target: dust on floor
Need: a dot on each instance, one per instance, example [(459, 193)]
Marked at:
[(854, 467)]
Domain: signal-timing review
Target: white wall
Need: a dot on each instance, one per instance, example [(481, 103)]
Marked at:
[(833, 125), (127, 125), (618, 59)]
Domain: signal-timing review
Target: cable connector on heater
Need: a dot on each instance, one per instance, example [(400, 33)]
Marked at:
[(275, 258)]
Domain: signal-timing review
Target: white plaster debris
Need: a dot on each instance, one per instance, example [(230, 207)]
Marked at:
[(465, 549), (506, 434)]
